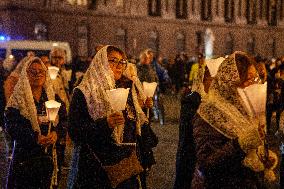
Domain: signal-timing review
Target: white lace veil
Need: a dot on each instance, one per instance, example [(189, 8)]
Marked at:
[(97, 79), (224, 109), (22, 97), (137, 93)]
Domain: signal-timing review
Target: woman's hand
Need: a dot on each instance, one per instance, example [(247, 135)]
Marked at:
[(149, 102), (42, 140), (52, 137), (115, 119), (47, 140), (269, 160)]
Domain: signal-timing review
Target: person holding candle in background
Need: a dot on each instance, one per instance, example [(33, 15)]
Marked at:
[(92, 122), (26, 122)]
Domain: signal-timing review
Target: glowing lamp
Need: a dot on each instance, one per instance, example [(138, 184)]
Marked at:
[(149, 88), (213, 65), (254, 98), (118, 98), (53, 71), (52, 108)]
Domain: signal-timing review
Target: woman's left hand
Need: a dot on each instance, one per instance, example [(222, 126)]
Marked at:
[(149, 102), (52, 137)]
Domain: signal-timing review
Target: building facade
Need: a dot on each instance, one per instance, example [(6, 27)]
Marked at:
[(216, 27)]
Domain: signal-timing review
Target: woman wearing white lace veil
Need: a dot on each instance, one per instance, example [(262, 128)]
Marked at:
[(92, 122), (27, 124), (226, 136), (13, 78)]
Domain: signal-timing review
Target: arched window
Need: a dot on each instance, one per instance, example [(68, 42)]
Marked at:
[(82, 39), (154, 41), (40, 31), (206, 10), (181, 9), (251, 11), (271, 12), (121, 38), (251, 45), (272, 47), (229, 44), (229, 10), (154, 7), (180, 42)]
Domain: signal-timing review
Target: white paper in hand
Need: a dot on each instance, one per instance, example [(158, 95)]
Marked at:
[(149, 88), (52, 108), (213, 65), (53, 71), (118, 98), (254, 98)]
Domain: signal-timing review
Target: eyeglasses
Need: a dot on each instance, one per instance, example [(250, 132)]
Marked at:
[(35, 73), (116, 62), (57, 57)]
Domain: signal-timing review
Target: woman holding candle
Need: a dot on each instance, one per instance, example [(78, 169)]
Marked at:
[(229, 141), (27, 123), (92, 122)]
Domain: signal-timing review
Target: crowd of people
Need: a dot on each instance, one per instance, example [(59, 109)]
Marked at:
[(221, 143)]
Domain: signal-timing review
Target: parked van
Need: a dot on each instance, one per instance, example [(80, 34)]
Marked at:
[(19, 49)]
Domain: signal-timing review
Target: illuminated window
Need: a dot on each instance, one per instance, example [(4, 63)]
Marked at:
[(251, 11), (229, 10), (229, 44), (272, 47), (40, 31), (82, 39), (180, 42), (121, 38), (251, 45), (181, 9), (154, 7), (154, 41), (272, 12), (206, 10)]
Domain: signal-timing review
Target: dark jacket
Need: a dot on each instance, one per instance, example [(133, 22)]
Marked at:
[(95, 146), (24, 171), (185, 158), (219, 160)]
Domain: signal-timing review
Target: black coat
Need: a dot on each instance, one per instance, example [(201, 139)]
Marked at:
[(95, 146), (26, 150), (219, 160), (91, 138), (185, 158)]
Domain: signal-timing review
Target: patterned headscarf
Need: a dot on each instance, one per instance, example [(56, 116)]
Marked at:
[(22, 97)]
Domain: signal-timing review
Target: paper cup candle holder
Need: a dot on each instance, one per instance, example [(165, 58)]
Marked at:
[(53, 72), (118, 98), (149, 90)]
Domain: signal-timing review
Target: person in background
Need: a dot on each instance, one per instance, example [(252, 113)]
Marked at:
[(186, 153), (58, 59), (195, 67), (45, 60)]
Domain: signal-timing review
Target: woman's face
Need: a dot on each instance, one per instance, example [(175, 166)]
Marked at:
[(117, 64), (251, 77), (261, 69), (36, 75)]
